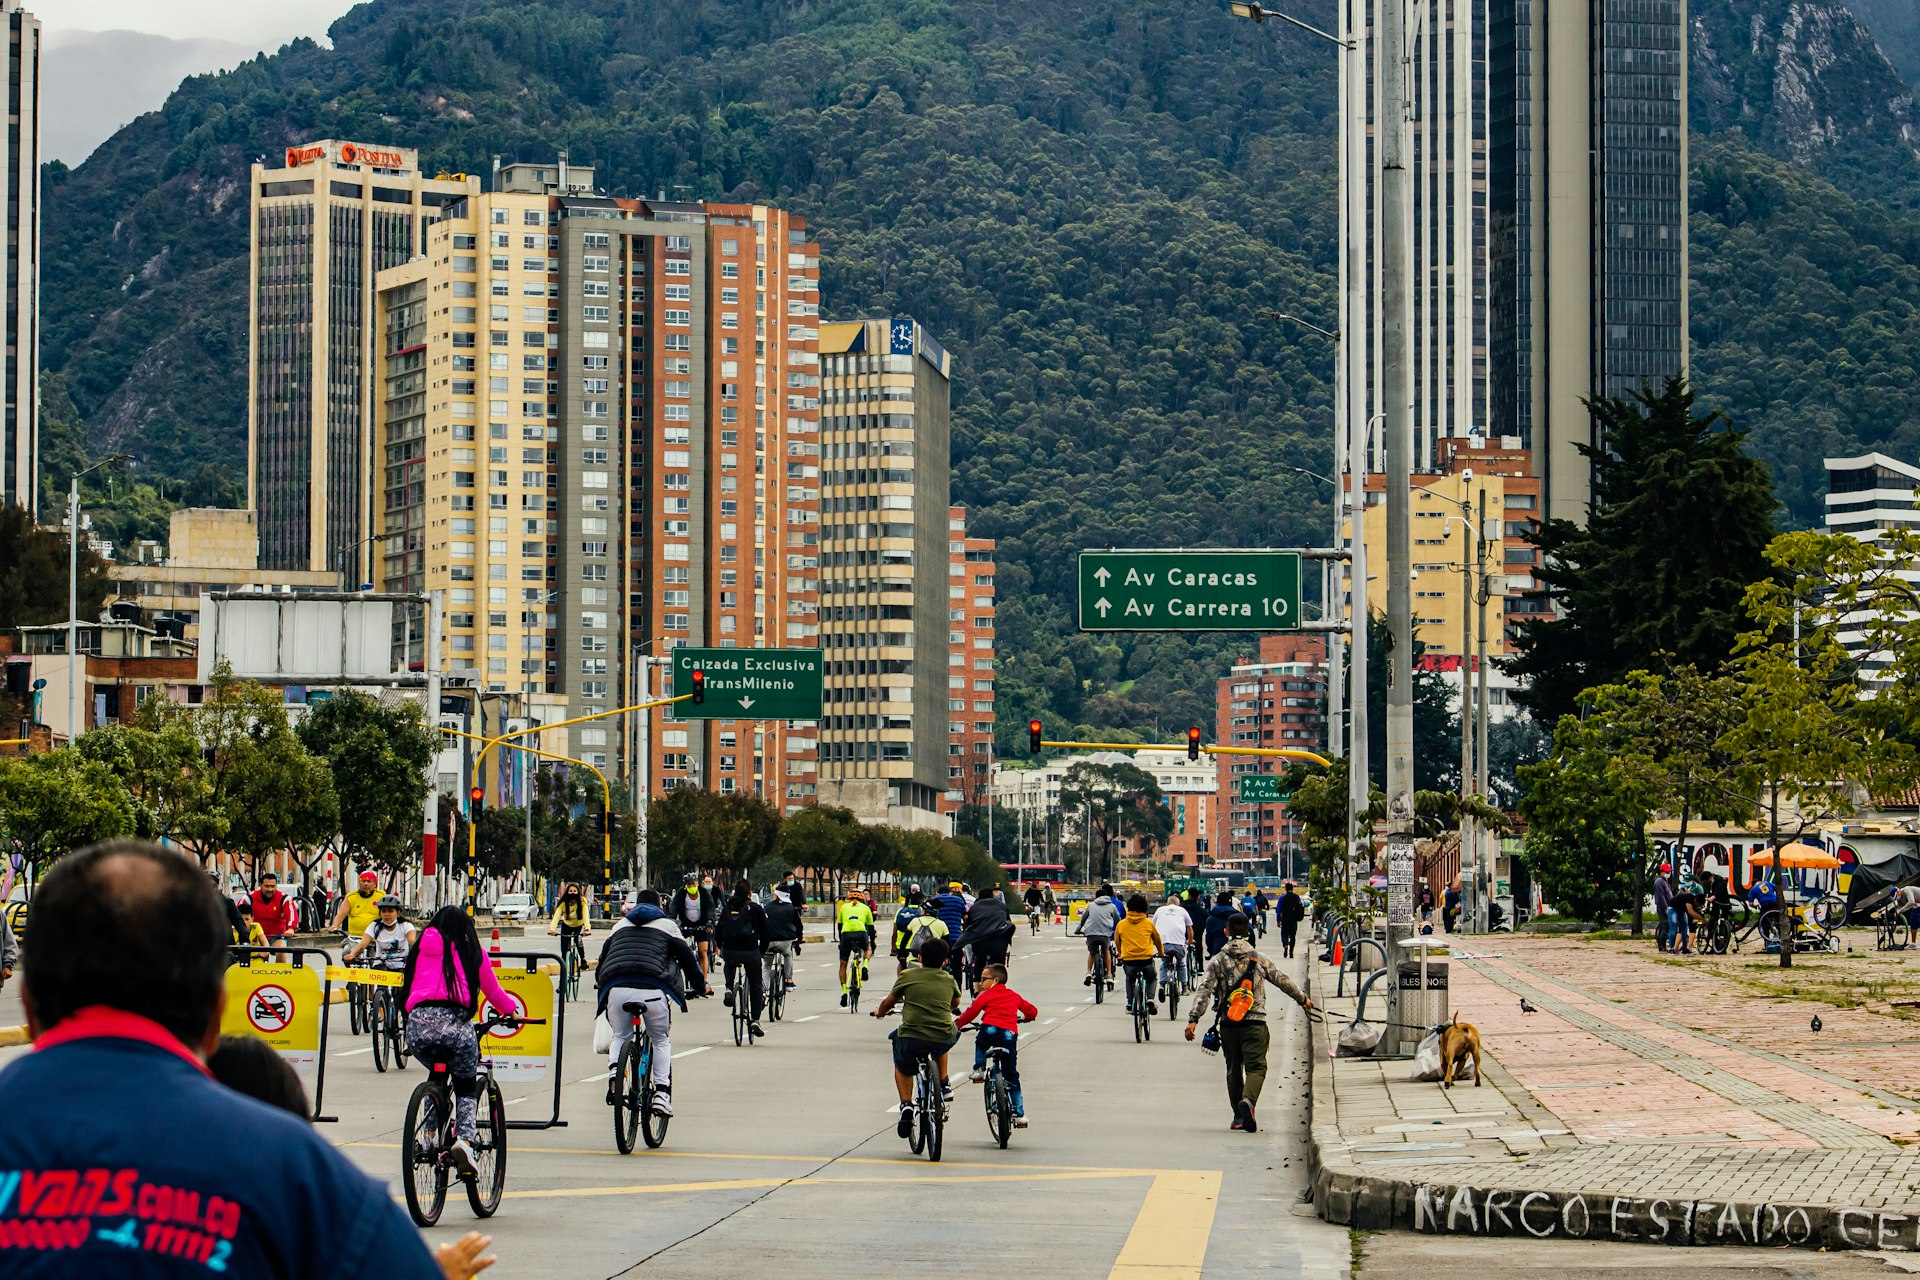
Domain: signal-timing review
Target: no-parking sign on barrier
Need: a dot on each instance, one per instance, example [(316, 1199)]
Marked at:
[(523, 1053), (283, 1004)]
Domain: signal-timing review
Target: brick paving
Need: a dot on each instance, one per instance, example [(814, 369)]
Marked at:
[(1642, 1079)]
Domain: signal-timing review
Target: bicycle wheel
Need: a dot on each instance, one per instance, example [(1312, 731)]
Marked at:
[(489, 1155), (1137, 997), (397, 1028), (776, 992), (999, 1106), (853, 991), (380, 1041), (917, 1132), (653, 1127), (423, 1170), (739, 1010), (1883, 937), (935, 1114), (1099, 977), (356, 1009), (630, 1100)]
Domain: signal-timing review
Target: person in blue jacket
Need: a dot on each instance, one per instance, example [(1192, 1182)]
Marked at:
[(1216, 930), (114, 1112)]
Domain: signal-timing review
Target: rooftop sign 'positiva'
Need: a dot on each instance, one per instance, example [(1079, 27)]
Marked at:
[(349, 153)]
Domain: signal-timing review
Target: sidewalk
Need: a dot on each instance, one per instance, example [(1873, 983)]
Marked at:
[(1644, 1101)]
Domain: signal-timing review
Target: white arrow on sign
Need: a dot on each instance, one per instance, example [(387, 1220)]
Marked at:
[(1101, 575), (1103, 604), (746, 703)]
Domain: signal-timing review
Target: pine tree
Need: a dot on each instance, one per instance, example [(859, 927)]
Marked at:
[(1677, 529)]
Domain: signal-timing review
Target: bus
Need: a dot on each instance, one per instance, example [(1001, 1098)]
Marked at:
[(1023, 873)]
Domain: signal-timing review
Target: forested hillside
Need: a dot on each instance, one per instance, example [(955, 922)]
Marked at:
[(1089, 203)]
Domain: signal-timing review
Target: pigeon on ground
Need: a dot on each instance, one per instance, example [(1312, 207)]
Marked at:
[(1527, 1008), (1816, 1022)]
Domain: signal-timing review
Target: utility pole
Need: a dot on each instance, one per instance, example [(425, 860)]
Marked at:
[(1480, 729), (1395, 303), (1469, 880), (430, 837), (1358, 426)]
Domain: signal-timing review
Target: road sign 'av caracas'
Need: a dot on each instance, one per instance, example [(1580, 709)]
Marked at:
[(1211, 590), (1261, 788), (749, 684)]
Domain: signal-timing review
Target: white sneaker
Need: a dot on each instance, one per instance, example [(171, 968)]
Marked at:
[(1019, 1122), (462, 1155), (977, 1076), (662, 1102)]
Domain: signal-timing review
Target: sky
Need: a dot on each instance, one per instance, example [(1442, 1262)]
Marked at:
[(273, 22)]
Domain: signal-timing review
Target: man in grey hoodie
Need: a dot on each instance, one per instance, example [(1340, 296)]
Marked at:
[(1244, 1042), (1097, 924)]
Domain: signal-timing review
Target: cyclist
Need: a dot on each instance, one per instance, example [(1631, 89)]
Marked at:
[(570, 921), (646, 961), (358, 910), (1217, 920), (783, 938), (248, 934), (1035, 898), (445, 975), (1139, 942), (922, 929), (928, 998), (274, 912), (951, 907), (1096, 925), (1048, 906), (989, 932), (694, 906), (387, 937), (910, 910), (1001, 1010), (740, 931), (853, 929), (1175, 928)]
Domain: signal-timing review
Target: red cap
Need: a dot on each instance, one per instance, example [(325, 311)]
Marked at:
[(369, 875), (1666, 866)]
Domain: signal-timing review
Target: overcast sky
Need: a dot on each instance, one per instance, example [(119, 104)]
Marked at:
[(271, 23)]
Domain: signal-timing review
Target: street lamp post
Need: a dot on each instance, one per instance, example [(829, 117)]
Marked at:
[(73, 590)]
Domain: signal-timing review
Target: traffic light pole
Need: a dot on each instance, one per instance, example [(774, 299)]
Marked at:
[(1281, 753), (606, 799)]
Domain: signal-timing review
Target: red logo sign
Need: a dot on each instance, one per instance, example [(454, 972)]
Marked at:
[(270, 1010), (297, 156)]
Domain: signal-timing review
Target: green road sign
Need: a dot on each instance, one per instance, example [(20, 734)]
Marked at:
[(1209, 590), (749, 684), (1260, 788)]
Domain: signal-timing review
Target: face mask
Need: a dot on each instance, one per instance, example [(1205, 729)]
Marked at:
[(706, 884), (571, 893)]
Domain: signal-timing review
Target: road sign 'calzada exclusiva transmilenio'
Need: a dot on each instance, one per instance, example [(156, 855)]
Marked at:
[(749, 684), (1211, 590)]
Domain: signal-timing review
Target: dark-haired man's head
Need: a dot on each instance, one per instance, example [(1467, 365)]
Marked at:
[(1138, 902), (1238, 927), (650, 897), (934, 953), (134, 927)]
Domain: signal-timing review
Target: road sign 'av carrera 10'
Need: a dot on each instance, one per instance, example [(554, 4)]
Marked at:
[(1211, 590), (748, 684)]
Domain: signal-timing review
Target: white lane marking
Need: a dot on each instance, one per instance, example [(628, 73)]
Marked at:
[(688, 1053), (599, 1079), (809, 1018), (510, 1101), (353, 1053), (1049, 1022)]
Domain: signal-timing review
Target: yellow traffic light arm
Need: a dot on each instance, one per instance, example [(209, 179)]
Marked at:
[(1283, 753), (606, 800)]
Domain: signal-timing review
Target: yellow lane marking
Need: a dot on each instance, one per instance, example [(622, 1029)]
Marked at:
[(748, 1184), (1169, 1236), (886, 1160)]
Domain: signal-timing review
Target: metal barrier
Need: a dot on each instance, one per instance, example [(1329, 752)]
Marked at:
[(1354, 950), (533, 959), (244, 958), (1360, 1009)]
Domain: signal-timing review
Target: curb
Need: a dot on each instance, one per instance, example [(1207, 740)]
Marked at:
[(13, 1037), (1345, 1195)]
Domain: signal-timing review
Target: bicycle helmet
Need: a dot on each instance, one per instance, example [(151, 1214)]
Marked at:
[(391, 903)]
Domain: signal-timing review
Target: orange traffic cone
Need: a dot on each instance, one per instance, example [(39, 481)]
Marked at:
[(493, 952), (1339, 950)]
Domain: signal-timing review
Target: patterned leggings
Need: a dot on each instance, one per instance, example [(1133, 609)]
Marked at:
[(434, 1032)]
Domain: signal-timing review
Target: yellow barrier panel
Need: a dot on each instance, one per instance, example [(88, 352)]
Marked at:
[(366, 977), (278, 1003), (523, 1053)]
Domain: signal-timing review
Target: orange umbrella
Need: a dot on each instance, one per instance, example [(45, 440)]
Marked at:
[(1800, 855)]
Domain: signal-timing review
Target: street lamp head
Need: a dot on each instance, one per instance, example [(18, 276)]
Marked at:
[(1242, 9)]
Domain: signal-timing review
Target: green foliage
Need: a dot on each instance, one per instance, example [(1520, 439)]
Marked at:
[(378, 754), (59, 801), (1114, 802), (33, 574), (1436, 729), (689, 829), (1676, 531)]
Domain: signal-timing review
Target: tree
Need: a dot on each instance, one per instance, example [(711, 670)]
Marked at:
[(972, 821), (691, 829), (268, 790), (33, 573), (58, 801), (378, 754), (1676, 530), (157, 759), (1115, 802), (1436, 729), (1584, 822), (1517, 740)]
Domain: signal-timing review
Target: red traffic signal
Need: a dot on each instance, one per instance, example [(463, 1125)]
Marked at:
[(699, 679), (1193, 743), (476, 798), (1033, 737)]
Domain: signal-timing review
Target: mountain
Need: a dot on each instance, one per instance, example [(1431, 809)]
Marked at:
[(1895, 25), (93, 82), (1088, 203)]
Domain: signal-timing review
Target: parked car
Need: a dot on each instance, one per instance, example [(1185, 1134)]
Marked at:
[(517, 907)]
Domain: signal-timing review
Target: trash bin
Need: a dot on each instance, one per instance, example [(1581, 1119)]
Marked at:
[(1421, 1008)]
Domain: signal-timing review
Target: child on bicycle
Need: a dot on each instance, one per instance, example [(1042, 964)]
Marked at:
[(444, 977), (927, 997), (1139, 944), (387, 937), (1001, 1010)]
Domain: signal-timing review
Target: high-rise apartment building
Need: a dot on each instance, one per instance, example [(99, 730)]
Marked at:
[(1276, 698), (600, 431), (20, 187), (1866, 497), (885, 563), (324, 223), (971, 612), (1587, 195)]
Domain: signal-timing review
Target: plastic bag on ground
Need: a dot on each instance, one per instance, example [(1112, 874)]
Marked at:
[(1426, 1059), (1358, 1039)]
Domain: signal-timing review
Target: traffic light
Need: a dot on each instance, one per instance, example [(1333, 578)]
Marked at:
[(1033, 737), (699, 679), (1193, 743), (476, 801)]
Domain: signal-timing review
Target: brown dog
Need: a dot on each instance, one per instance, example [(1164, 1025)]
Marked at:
[(1457, 1040)]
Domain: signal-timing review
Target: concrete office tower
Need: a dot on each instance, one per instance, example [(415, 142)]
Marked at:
[(1447, 174), (972, 607), (324, 222), (885, 557), (1587, 195), (643, 381), (20, 394)]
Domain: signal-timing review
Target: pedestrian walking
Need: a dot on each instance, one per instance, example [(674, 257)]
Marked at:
[(1426, 903), (9, 950), (1293, 910), (1235, 987), (1662, 904)]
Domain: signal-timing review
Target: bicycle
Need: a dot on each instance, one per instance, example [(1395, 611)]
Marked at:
[(1892, 932), (388, 1023), (740, 993), (357, 1011), (1715, 934), (1139, 990), (777, 969), (426, 1158), (1101, 983), (929, 1110), (856, 968), (1033, 921), (573, 959), (998, 1096), (633, 1108), (1173, 982)]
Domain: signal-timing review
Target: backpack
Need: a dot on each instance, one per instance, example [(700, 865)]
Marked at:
[(735, 923), (923, 928), (1239, 1001)]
